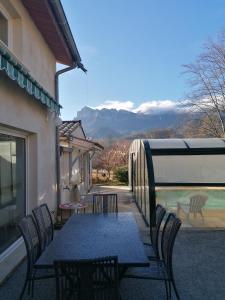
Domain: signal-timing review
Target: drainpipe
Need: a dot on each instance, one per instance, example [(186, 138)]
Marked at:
[(61, 19), (57, 133)]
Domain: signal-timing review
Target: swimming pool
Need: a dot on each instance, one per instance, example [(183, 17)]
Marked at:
[(170, 196)]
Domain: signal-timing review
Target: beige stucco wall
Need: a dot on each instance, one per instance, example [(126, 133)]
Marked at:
[(24, 113), (21, 113), (28, 45)]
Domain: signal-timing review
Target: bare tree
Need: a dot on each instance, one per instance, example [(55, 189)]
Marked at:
[(114, 155), (207, 80)]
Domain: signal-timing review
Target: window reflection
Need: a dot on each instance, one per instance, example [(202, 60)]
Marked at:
[(197, 207), (12, 187), (3, 29)]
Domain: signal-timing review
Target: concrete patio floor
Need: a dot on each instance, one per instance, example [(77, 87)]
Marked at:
[(199, 265)]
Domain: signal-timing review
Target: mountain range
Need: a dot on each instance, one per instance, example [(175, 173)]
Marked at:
[(112, 123)]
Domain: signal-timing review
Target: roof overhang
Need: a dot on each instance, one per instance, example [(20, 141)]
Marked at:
[(86, 144), (82, 144), (51, 21)]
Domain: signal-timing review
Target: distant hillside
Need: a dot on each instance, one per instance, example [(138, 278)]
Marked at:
[(112, 123)]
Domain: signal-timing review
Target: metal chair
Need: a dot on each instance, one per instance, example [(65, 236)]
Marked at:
[(44, 222), (87, 279), (197, 202), (29, 231), (105, 203), (162, 269), (153, 247)]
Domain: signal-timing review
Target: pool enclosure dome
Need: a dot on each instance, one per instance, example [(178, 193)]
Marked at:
[(158, 167)]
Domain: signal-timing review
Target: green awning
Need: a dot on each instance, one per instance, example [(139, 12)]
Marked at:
[(16, 72)]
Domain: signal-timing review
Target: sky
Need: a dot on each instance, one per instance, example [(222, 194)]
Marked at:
[(134, 51)]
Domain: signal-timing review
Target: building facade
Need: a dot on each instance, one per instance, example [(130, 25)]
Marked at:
[(32, 41), (76, 154)]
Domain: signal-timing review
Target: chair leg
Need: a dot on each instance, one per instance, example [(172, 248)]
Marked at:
[(175, 289), (32, 288), (203, 220), (29, 287), (23, 289), (167, 294), (32, 282), (25, 283), (169, 282)]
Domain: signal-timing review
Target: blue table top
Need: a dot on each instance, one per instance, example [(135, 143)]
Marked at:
[(88, 236)]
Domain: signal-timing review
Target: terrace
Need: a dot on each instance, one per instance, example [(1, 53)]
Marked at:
[(198, 263)]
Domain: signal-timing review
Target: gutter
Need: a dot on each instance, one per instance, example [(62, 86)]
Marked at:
[(60, 16)]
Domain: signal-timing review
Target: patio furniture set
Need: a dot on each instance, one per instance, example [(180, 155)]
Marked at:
[(92, 253)]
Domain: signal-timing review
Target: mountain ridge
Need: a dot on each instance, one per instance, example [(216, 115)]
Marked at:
[(105, 123)]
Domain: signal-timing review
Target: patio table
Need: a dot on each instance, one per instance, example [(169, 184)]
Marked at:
[(89, 236)]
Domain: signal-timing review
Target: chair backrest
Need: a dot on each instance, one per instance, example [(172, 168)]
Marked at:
[(197, 202), (43, 218), (29, 231), (87, 279), (105, 203), (159, 215), (170, 230)]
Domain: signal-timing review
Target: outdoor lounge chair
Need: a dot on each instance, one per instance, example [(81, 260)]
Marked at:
[(162, 269), (153, 247), (95, 279), (197, 202), (44, 222), (105, 203), (29, 231)]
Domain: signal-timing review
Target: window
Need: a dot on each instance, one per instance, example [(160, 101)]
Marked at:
[(12, 188), (3, 29)]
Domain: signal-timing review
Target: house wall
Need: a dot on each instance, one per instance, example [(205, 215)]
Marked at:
[(20, 113), (28, 45)]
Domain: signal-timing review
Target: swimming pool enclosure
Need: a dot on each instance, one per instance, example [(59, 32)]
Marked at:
[(187, 176)]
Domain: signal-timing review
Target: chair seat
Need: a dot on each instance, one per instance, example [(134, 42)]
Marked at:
[(156, 271)]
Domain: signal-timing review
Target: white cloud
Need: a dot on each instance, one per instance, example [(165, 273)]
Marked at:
[(155, 106), (148, 107), (118, 105)]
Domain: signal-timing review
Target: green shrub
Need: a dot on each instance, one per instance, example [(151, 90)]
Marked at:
[(122, 174)]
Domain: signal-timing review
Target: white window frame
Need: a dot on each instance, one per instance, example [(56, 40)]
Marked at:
[(24, 135), (5, 14)]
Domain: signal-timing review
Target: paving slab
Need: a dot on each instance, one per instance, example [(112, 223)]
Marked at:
[(199, 260)]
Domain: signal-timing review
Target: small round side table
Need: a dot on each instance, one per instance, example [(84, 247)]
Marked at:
[(78, 207)]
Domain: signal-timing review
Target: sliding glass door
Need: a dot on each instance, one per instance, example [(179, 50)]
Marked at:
[(12, 188)]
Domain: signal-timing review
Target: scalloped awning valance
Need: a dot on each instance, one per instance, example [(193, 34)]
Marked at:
[(15, 71)]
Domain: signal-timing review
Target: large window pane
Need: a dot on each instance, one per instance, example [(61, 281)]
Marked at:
[(12, 188), (3, 29), (189, 168)]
